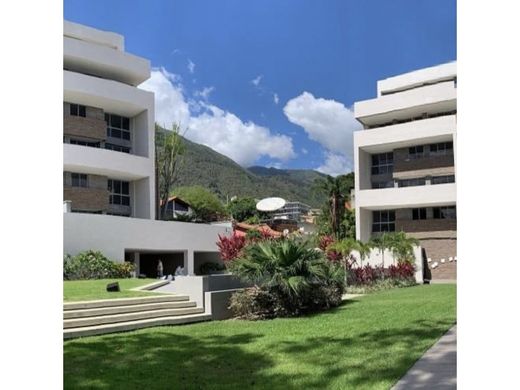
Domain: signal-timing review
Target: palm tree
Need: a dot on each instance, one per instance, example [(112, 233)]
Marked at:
[(337, 190), (348, 245), (402, 246), (285, 266), (381, 242)]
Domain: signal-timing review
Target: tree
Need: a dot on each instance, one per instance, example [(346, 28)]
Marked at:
[(381, 242), (242, 209), (345, 247), (402, 247), (337, 189), (206, 205), (169, 149)]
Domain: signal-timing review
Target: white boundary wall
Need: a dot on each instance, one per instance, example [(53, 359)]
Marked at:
[(376, 258)]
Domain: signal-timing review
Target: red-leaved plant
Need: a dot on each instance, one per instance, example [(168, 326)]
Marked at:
[(230, 247), (325, 242)]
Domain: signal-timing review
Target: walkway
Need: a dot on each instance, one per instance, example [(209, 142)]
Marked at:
[(436, 369)]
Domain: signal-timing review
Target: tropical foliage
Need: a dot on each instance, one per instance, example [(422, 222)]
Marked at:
[(335, 219), (94, 265), (205, 204), (290, 277)]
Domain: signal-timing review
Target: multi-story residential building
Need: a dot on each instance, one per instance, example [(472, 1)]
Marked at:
[(405, 162), (108, 126), (108, 160), (292, 210)]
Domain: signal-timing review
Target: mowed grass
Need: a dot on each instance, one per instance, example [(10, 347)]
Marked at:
[(367, 343), (86, 290)]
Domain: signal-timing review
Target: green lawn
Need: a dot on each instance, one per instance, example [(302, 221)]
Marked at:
[(367, 343), (86, 290)]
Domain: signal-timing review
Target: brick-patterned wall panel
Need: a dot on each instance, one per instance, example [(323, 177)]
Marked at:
[(445, 271), (86, 198), (424, 225), (437, 249), (403, 163), (84, 127)]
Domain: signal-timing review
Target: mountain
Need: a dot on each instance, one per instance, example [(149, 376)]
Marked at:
[(206, 167)]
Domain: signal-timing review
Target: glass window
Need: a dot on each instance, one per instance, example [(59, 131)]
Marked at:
[(77, 110), (382, 163), (79, 180), (117, 148), (447, 212), (119, 192), (412, 182), (441, 149), (418, 214), (383, 221), (118, 126), (415, 152), (443, 179), (85, 143)]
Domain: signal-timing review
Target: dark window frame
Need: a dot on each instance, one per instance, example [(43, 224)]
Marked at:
[(383, 221), (443, 179), (382, 163), (419, 214), (77, 110), (121, 131), (445, 212), (119, 191), (79, 180)]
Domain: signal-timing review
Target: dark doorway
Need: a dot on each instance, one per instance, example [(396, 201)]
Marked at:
[(148, 263)]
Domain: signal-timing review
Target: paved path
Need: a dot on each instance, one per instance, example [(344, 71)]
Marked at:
[(436, 369)]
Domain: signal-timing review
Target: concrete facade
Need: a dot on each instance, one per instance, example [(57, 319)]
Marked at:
[(108, 161), (405, 160)]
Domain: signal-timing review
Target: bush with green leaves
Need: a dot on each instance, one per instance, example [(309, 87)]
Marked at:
[(94, 265), (210, 267), (290, 278)]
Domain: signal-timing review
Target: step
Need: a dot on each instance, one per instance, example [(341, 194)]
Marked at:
[(100, 320), (103, 311), (124, 301), (133, 325)]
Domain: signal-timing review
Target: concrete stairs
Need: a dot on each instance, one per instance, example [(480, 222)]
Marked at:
[(90, 318)]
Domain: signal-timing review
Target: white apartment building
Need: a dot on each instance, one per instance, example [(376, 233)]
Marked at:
[(405, 162), (108, 160)]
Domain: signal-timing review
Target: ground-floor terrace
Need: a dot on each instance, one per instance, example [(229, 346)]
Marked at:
[(144, 242), (435, 228)]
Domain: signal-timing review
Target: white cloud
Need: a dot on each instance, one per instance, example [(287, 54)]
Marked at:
[(256, 80), (304, 151), (327, 122), (335, 164), (276, 99), (191, 66), (243, 141), (170, 104), (205, 92)]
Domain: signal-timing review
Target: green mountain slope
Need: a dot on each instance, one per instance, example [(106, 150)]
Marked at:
[(206, 167)]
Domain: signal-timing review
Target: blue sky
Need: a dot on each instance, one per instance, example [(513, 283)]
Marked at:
[(273, 82)]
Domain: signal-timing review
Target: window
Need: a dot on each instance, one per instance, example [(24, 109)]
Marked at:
[(382, 163), (448, 212), (383, 184), (412, 182), (180, 207), (441, 149), (119, 192), (85, 143), (383, 221), (443, 179), (118, 126), (419, 213), (79, 180), (77, 110), (117, 148), (416, 152)]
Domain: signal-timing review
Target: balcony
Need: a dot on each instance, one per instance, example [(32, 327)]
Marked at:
[(407, 197), (124, 166), (407, 104), (103, 61)]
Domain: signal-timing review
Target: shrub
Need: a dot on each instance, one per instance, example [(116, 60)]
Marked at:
[(230, 247), (94, 265), (290, 278), (393, 275), (209, 267)]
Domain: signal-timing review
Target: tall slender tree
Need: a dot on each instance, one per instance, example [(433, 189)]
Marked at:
[(337, 190), (169, 151)]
